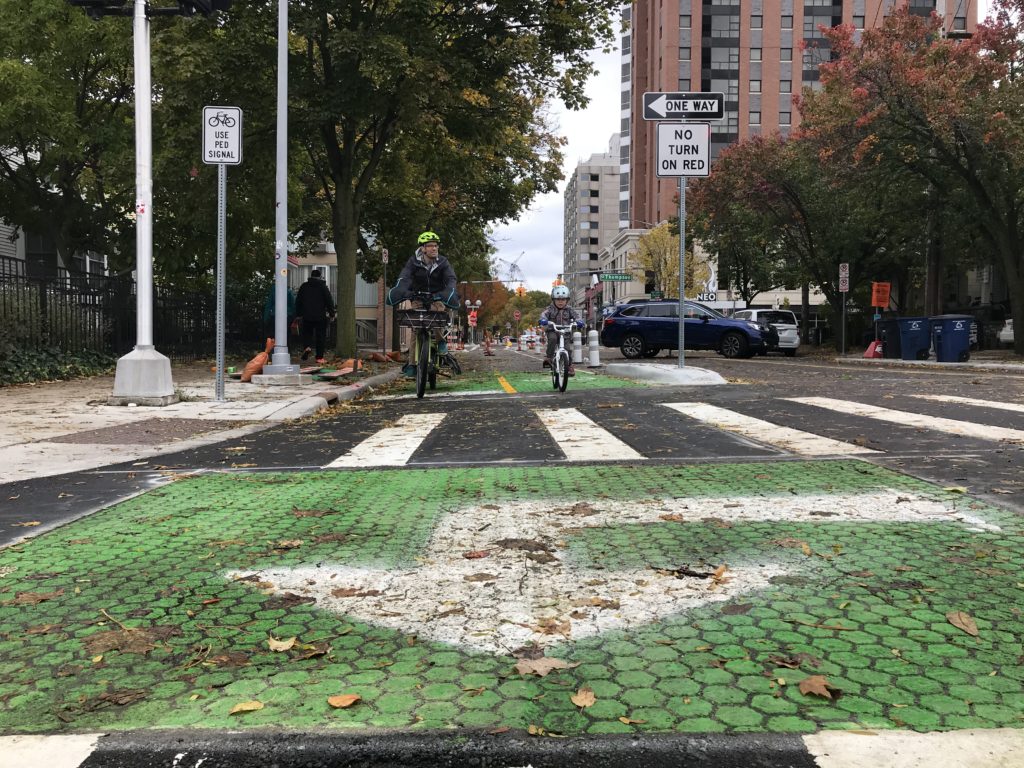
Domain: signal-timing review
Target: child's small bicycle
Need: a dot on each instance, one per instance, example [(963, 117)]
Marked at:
[(560, 362)]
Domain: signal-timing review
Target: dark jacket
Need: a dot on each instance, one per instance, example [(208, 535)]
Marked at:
[(313, 302), (565, 316), (438, 279)]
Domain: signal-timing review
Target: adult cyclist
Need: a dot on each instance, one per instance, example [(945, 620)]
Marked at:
[(426, 272)]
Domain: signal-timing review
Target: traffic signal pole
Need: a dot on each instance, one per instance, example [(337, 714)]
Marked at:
[(143, 376)]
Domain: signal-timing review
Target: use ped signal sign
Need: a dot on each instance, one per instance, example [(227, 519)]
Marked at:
[(684, 149)]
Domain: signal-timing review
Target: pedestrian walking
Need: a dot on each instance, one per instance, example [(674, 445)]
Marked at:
[(315, 306)]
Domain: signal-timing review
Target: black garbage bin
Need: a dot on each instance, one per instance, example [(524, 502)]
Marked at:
[(915, 337), (889, 331), (952, 338)]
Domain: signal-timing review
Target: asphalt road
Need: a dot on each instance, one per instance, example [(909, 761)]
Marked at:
[(486, 425)]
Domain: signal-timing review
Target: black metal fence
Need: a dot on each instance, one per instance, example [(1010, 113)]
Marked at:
[(78, 313)]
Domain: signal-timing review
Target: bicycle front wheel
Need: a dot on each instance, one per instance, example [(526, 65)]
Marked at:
[(563, 370), (423, 362)]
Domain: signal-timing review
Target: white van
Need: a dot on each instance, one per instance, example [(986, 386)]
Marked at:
[(782, 320)]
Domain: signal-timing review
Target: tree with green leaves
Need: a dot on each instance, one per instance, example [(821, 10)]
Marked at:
[(66, 108), (460, 88)]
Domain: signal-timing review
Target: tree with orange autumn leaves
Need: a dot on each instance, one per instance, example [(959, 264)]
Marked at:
[(925, 130)]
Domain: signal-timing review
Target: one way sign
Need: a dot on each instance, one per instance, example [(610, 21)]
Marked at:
[(683, 106)]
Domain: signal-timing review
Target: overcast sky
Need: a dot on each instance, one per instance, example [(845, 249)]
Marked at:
[(536, 238), (537, 235)]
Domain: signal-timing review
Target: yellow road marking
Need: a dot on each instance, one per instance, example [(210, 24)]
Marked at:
[(506, 386)]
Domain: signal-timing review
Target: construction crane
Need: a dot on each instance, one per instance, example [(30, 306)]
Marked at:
[(514, 273)]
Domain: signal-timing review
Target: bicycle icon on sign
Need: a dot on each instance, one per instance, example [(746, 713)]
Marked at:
[(221, 118)]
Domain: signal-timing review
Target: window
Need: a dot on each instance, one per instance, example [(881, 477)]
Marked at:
[(756, 21), (755, 54), (785, 54), (663, 310), (785, 118), (595, 193), (595, 177), (787, 22), (858, 22), (785, 86), (755, 86), (684, 54), (684, 20), (755, 118), (960, 23)]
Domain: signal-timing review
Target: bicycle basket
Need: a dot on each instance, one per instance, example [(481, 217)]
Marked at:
[(426, 319)]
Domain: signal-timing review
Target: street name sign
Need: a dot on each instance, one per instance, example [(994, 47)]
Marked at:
[(683, 106), (222, 135), (613, 277), (684, 149)]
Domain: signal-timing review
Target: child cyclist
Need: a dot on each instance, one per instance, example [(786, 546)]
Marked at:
[(560, 313)]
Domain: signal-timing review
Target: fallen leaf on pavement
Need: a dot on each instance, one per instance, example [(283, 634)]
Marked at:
[(26, 525), (630, 721), (583, 698), (289, 544), (817, 685), (33, 598), (536, 730), (246, 706), (344, 701), (955, 489), (499, 730), (480, 577), (476, 554), (130, 640), (280, 645), (963, 621), (672, 518), (541, 666), (354, 592)]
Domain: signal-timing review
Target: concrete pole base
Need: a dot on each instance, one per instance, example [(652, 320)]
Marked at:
[(280, 362), (143, 377)]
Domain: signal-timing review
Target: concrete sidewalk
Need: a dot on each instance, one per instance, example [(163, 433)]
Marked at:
[(54, 427)]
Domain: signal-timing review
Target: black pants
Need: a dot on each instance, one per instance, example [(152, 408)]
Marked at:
[(314, 334)]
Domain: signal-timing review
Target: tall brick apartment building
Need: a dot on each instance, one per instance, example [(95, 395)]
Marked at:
[(759, 53)]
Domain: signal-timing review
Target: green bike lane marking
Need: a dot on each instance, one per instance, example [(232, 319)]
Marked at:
[(479, 381), (167, 565)]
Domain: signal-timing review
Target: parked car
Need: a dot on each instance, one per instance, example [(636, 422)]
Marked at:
[(782, 320), (645, 329), (1005, 335)]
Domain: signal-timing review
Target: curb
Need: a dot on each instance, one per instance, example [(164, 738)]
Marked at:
[(281, 748), (292, 749), (1017, 368), (311, 404), (662, 374)]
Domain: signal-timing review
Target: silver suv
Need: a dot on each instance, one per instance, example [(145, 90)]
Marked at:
[(782, 320)]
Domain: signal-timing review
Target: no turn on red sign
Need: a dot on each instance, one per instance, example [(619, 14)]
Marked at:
[(684, 149)]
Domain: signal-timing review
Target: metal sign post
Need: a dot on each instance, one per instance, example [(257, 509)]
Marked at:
[(844, 288), (384, 337), (222, 146), (684, 150)]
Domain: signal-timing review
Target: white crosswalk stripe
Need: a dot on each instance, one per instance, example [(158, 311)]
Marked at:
[(581, 439), (391, 446), (793, 440), (1019, 408), (905, 418)]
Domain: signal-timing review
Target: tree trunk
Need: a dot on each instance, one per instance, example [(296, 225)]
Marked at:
[(346, 239)]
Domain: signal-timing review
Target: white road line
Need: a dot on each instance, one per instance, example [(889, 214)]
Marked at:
[(793, 440), (1019, 408), (990, 748), (581, 439), (907, 419), (51, 751), (392, 446)]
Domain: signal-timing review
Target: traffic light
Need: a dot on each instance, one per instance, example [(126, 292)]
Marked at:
[(521, 291)]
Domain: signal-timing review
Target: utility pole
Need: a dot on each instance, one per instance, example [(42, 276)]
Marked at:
[(143, 376)]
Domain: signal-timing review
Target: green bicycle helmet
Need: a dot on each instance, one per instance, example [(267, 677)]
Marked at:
[(428, 237)]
